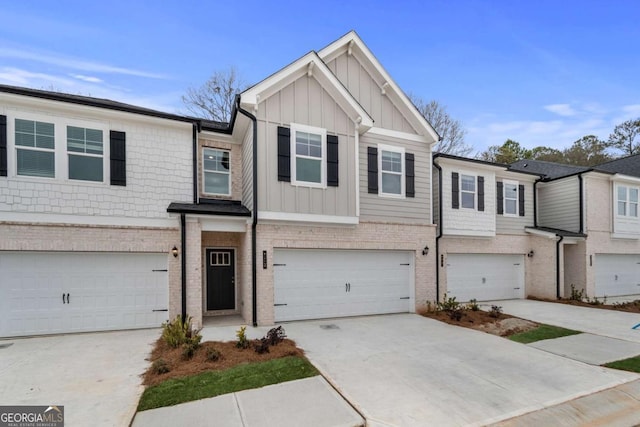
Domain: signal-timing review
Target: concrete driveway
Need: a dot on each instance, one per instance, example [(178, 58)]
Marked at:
[(95, 376), (407, 370), (608, 323)]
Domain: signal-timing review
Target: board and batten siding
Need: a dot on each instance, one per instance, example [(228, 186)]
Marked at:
[(368, 92), (559, 204), (247, 168), (517, 224), (374, 207), (305, 102), (436, 195)]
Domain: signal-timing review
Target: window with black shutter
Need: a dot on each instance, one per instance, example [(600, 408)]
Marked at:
[(118, 160)]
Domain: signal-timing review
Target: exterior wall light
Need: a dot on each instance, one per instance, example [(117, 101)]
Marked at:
[(174, 251), (425, 251), (530, 254)]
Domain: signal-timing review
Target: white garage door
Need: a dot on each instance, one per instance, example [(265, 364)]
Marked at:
[(617, 274), (59, 292), (314, 284), (485, 276)]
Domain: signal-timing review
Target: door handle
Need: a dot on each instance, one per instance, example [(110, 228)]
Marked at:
[(63, 298), (67, 298)]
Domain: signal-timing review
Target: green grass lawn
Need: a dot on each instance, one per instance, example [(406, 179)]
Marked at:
[(215, 383), (542, 332), (632, 364)]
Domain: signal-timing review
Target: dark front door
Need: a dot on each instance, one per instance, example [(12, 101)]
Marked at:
[(221, 294)]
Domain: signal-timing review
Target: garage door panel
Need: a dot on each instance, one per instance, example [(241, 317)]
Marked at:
[(617, 274), (485, 276), (107, 291), (313, 284)]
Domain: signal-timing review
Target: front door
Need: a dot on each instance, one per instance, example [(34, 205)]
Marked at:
[(221, 294)]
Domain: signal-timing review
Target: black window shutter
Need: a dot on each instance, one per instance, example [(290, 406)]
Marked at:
[(372, 169), (521, 199), (455, 190), (118, 152), (284, 154), (499, 198), (481, 193), (410, 176), (3, 145), (332, 160)]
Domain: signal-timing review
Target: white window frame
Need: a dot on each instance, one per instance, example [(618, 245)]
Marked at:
[(105, 141), (403, 179), (627, 201), (504, 198), (295, 128), (228, 193), (17, 147), (475, 190)]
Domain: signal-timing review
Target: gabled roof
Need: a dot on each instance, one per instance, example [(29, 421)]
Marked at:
[(502, 166), (353, 44), (626, 166), (549, 170), (92, 102), (311, 65)]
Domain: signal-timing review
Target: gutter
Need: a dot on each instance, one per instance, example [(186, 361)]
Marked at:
[(183, 261), (558, 265), (254, 223), (196, 129), (439, 230)]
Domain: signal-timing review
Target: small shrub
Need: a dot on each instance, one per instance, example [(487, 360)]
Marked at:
[(177, 333), (473, 305), (496, 311), (455, 314), (241, 334), (576, 295), (275, 335), (189, 349), (213, 355), (262, 346), (448, 304), (159, 367)]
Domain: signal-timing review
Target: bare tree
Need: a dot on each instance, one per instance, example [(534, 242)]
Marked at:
[(448, 128), (214, 99), (624, 137)]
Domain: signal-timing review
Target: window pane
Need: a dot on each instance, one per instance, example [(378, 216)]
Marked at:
[(25, 139), (85, 168), (36, 163), (216, 160), (44, 128), (308, 144), (510, 206), (34, 134), (44, 141), (81, 140), (308, 170), (467, 200), (468, 183), (622, 193), (633, 209), (27, 126), (391, 183), (216, 183), (391, 161), (633, 195), (510, 191), (75, 133), (622, 208)]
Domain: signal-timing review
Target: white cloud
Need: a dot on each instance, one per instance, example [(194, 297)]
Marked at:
[(74, 63), (89, 79), (564, 110)]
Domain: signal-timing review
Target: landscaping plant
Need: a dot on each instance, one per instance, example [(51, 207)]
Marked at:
[(496, 311), (241, 334), (179, 332)]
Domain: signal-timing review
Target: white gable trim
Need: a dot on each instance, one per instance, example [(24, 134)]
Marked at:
[(312, 66), (353, 45)]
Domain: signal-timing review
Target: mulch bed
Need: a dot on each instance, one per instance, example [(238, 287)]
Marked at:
[(230, 356), (504, 325)]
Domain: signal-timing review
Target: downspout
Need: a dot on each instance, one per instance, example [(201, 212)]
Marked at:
[(195, 162), (535, 203), (558, 265), (580, 186), (183, 261), (254, 272), (439, 230)]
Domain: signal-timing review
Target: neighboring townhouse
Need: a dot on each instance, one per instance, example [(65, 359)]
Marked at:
[(488, 246), (333, 161), (85, 239), (600, 203), (313, 202)]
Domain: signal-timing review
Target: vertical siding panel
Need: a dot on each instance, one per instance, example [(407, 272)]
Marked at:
[(301, 96), (353, 68), (341, 70), (365, 89), (315, 102), (387, 113), (287, 101), (273, 113), (328, 111), (264, 201)]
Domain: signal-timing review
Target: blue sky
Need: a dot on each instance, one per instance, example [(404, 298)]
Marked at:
[(540, 72)]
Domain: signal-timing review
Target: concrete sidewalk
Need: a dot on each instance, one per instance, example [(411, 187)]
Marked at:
[(589, 348), (307, 402)]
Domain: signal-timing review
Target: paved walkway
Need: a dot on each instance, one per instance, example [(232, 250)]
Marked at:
[(308, 402), (589, 348)]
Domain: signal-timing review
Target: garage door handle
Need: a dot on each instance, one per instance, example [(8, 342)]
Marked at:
[(278, 305), (67, 298), (162, 309), (405, 298), (155, 271), (63, 299)]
